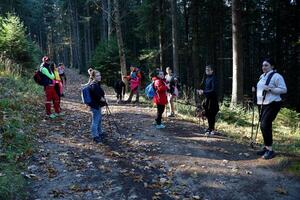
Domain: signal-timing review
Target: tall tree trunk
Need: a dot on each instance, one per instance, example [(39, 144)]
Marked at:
[(237, 60), (174, 37), (195, 43), (189, 68), (161, 34), (109, 21), (120, 39), (104, 32), (78, 41), (86, 27)]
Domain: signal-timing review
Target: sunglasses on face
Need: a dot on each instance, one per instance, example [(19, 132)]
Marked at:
[(265, 65)]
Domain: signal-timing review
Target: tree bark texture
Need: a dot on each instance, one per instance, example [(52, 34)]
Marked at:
[(237, 59), (120, 39), (174, 37)]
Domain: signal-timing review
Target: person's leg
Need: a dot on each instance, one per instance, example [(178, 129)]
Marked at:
[(269, 113), (211, 121), (171, 105), (56, 101), (95, 122), (137, 100), (130, 96), (48, 99), (100, 133), (160, 110)]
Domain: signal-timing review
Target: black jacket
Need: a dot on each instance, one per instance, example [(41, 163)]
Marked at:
[(211, 105), (97, 94)]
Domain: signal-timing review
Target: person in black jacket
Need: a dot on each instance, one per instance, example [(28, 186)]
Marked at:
[(98, 101), (211, 105)]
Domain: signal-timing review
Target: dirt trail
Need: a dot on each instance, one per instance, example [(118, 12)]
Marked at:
[(141, 162)]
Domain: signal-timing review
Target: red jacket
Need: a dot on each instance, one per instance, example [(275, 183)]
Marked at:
[(161, 88)]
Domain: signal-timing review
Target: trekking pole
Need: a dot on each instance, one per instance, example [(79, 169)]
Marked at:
[(252, 127), (259, 119), (109, 114)]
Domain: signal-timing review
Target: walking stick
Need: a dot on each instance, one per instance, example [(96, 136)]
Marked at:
[(259, 120), (252, 127), (110, 115)]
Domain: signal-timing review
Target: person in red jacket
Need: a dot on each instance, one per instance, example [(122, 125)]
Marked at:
[(160, 98)]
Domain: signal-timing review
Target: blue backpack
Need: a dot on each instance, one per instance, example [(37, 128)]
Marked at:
[(150, 91), (86, 95)]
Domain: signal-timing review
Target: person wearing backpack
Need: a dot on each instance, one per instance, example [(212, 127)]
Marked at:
[(135, 81), (269, 88), (160, 97), (49, 89), (171, 80), (97, 102), (211, 106)]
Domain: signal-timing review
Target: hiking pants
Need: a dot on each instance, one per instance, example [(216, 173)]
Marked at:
[(136, 91), (51, 95), (160, 111), (96, 128), (211, 108), (268, 114)]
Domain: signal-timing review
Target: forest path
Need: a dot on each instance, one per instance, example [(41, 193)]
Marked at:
[(140, 162)]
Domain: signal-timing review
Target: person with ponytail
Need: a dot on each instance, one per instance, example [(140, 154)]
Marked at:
[(98, 101)]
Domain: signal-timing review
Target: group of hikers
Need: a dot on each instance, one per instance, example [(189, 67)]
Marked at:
[(53, 78), (268, 90)]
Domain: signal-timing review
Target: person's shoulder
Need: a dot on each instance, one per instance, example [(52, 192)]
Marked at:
[(278, 75)]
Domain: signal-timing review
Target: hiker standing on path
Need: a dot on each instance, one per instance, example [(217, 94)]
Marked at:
[(211, 105), (119, 88), (268, 96), (63, 78), (57, 83), (98, 101), (50, 93), (135, 81), (160, 97), (172, 91)]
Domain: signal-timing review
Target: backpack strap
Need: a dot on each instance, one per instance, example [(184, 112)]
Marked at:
[(269, 77)]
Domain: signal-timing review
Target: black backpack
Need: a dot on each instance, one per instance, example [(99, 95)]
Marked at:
[(40, 78)]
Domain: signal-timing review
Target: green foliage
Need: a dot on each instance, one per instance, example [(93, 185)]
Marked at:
[(17, 114), (14, 43), (12, 184), (106, 60)]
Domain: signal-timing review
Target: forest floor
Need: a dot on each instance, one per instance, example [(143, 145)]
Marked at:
[(141, 162)]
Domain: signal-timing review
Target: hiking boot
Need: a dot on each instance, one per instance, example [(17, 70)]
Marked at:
[(212, 133), (160, 126), (52, 116), (261, 152), (171, 115), (268, 155), (102, 136), (61, 114), (96, 140), (207, 133)]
